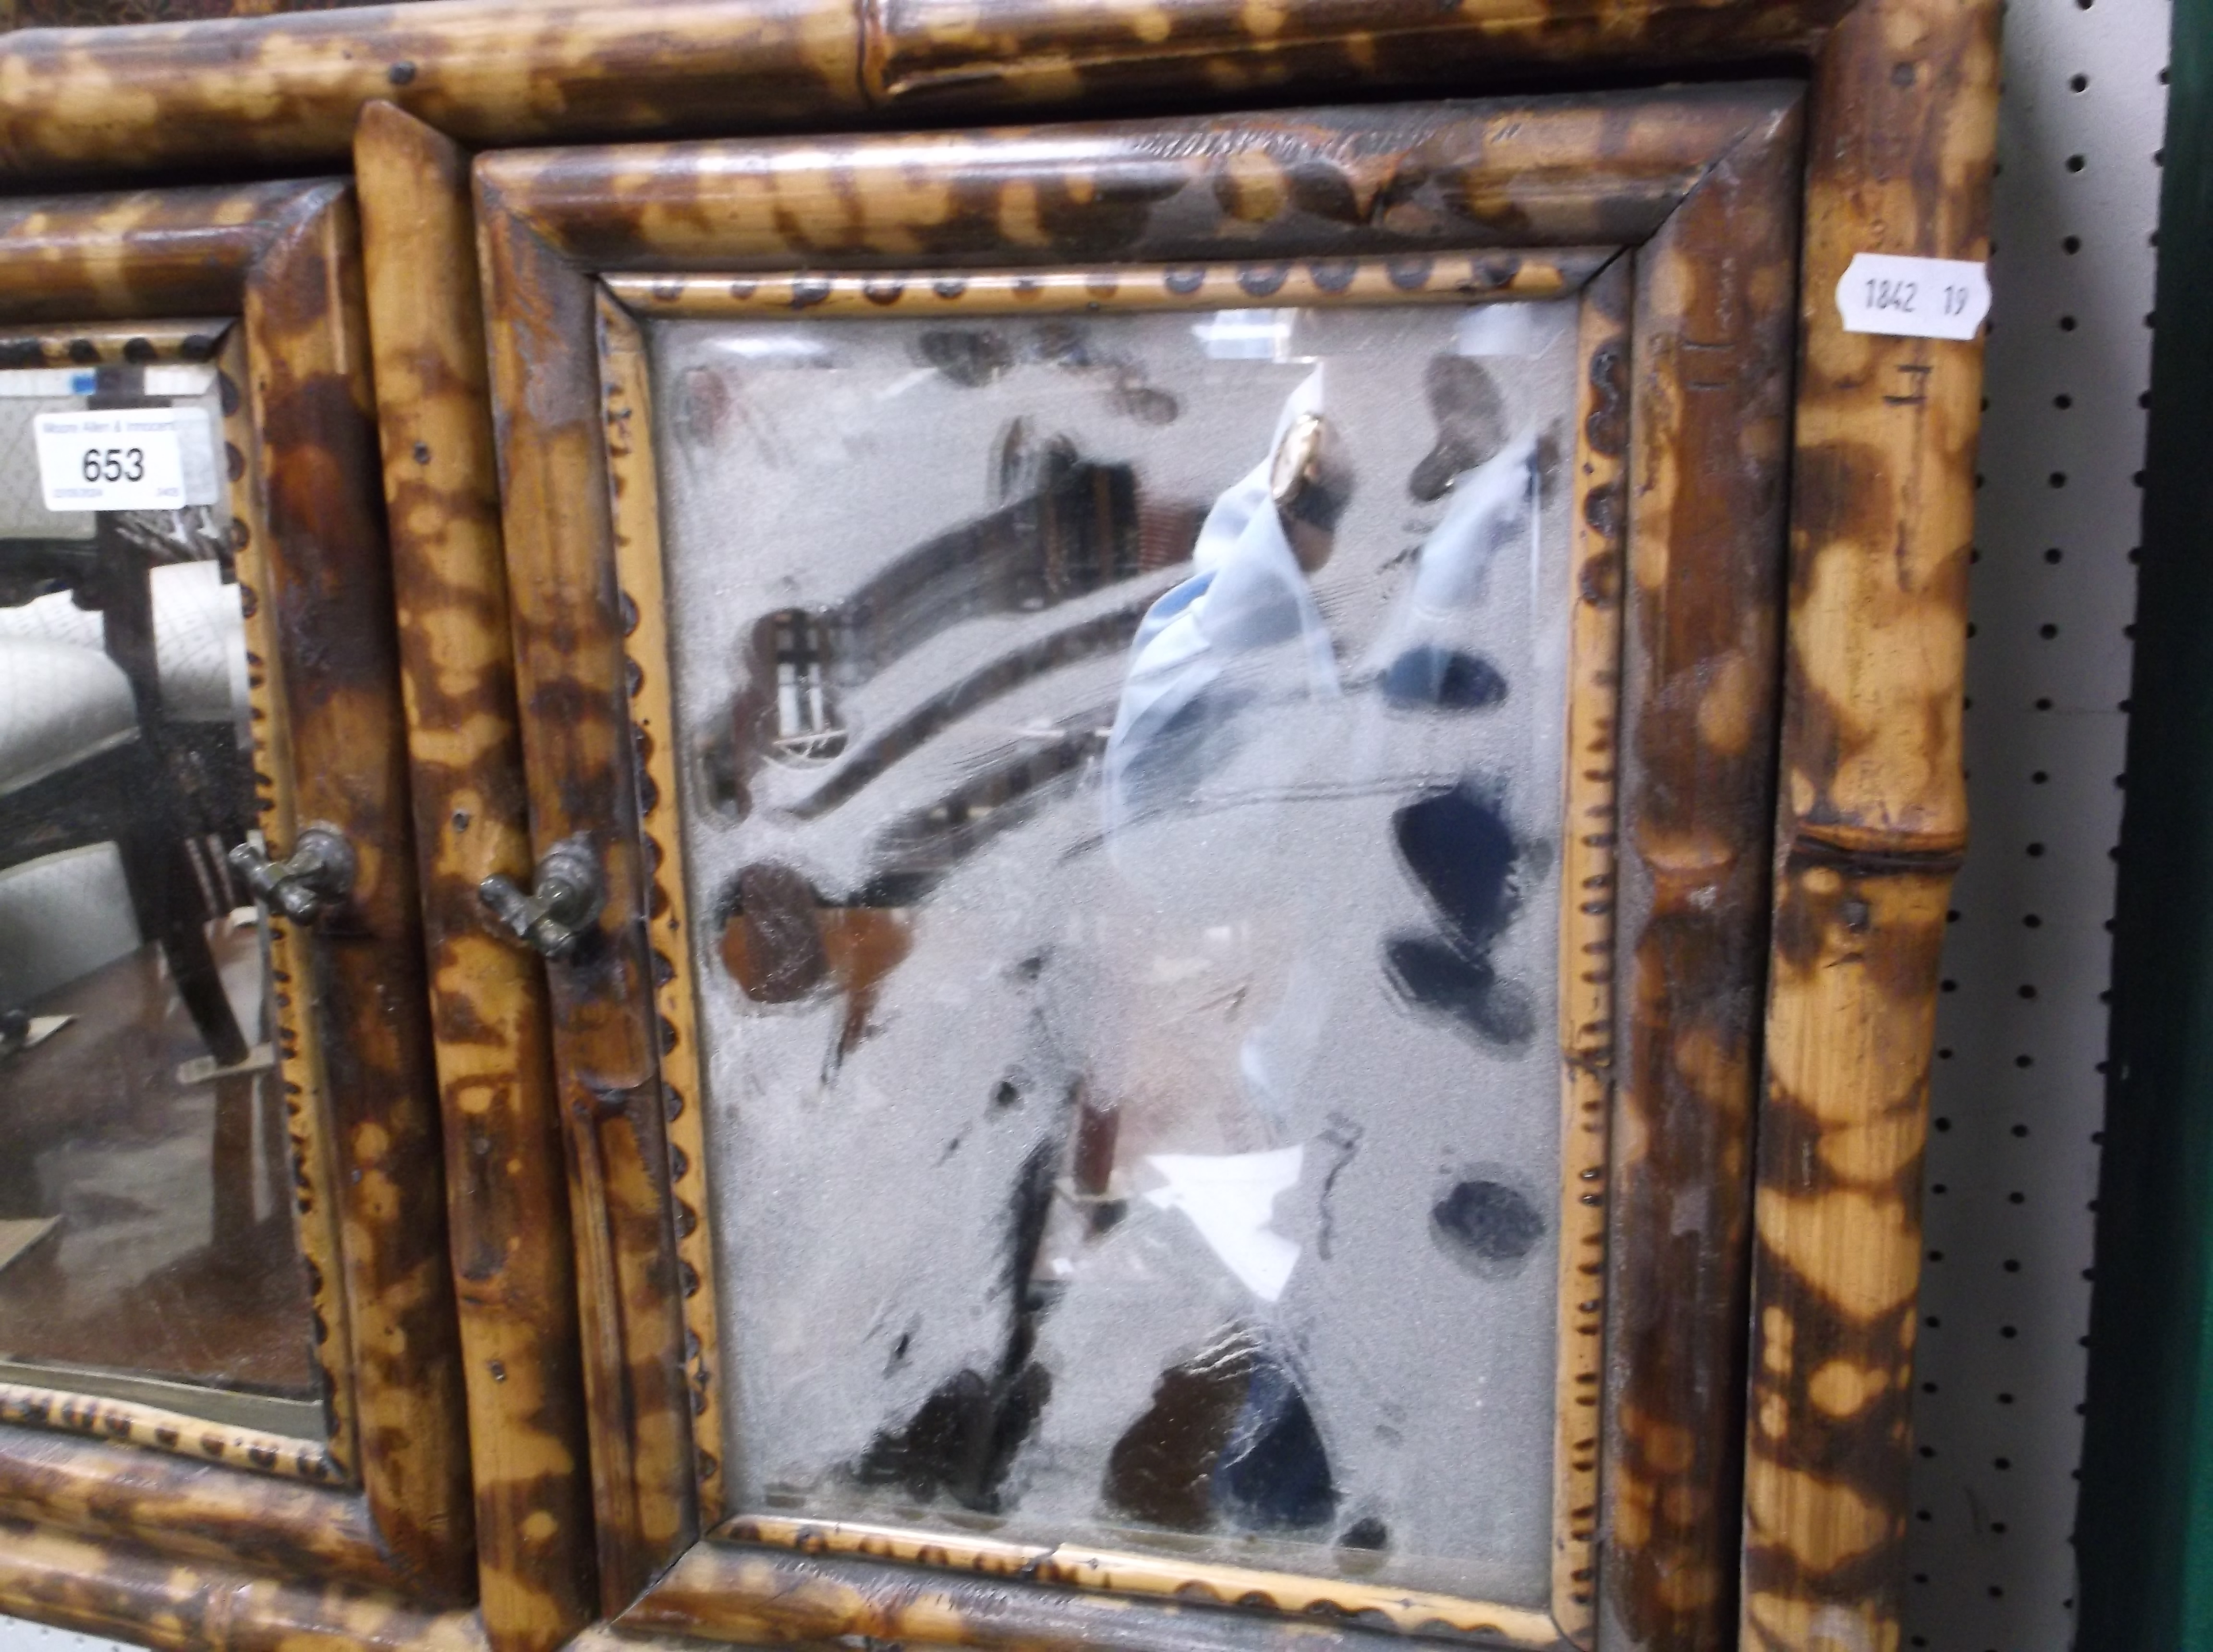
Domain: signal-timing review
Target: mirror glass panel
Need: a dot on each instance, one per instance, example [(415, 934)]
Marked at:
[(1121, 784), (148, 1247)]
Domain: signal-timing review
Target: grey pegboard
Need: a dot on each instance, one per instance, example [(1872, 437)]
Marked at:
[(2018, 1098), (16, 1635)]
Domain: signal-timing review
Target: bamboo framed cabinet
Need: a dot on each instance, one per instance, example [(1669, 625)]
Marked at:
[(230, 1388), (1165, 878), (1152, 757)]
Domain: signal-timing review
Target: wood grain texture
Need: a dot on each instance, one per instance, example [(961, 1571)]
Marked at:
[(569, 628), (1709, 452), (1590, 880), (1467, 278), (507, 1191), (114, 1589), (1872, 823), (306, 344), (286, 90), (1407, 179), (726, 1591), (1106, 1572), (299, 1038), (203, 1511), (634, 512), (944, 56)]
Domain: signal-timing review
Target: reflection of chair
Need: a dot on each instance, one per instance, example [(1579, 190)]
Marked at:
[(116, 726)]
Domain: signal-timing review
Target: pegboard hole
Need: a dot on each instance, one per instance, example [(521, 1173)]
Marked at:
[(2075, 164), (2078, 82)]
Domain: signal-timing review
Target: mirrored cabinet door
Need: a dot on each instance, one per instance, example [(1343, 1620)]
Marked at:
[(227, 1323), (1141, 839)]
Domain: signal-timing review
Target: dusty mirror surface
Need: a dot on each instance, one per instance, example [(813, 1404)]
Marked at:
[(1122, 782), (147, 1241)]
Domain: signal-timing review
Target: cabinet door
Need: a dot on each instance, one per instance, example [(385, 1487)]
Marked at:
[(1150, 747), (226, 1313)]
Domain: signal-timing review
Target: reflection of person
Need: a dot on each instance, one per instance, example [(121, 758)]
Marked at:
[(1248, 590)]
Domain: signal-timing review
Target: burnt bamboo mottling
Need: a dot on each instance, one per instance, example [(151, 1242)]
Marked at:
[(1873, 823), (1112, 200), (131, 1423), (308, 527), (1476, 277), (568, 630), (1871, 819), (514, 1269), (195, 1511), (726, 1591), (945, 55), (307, 349), (1587, 971), (298, 1036), (112, 1589), (1709, 444), (1566, 172), (128, 346), (634, 514), (284, 91)]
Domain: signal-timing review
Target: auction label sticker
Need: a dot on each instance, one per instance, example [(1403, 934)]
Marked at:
[(126, 458), (1914, 298)]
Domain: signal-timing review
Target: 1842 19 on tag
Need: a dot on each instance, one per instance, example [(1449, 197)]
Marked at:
[(1914, 298), (126, 458)]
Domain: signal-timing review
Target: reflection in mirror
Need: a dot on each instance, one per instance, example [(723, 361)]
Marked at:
[(147, 1244), (1121, 789)]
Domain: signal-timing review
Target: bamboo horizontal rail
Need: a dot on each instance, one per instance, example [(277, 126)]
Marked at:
[(284, 91)]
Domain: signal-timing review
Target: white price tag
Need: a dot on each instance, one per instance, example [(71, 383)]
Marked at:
[(1914, 298), (126, 458)]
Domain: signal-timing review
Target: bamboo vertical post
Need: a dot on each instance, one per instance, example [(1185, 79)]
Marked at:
[(514, 1270), (1872, 825)]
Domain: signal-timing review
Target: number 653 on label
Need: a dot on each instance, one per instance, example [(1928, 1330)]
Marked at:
[(127, 459)]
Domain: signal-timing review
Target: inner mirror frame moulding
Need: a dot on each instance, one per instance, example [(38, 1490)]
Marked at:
[(1597, 336)]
